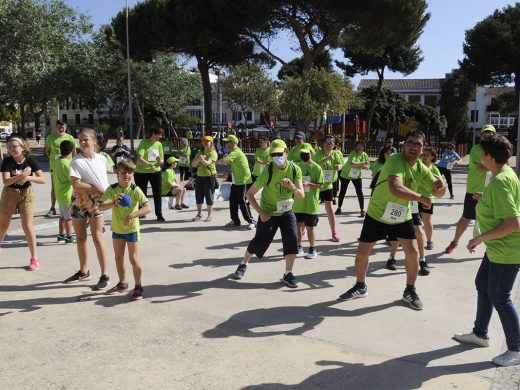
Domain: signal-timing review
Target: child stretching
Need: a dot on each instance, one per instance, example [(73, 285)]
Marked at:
[(171, 187), (128, 203), (63, 190), (19, 171)]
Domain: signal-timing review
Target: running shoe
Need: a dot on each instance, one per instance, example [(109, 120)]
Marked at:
[(232, 224), (103, 283), (338, 211), (51, 212), (424, 270), (61, 237), (78, 277), (472, 338), (354, 293), (251, 226), (34, 264), (196, 218), (289, 280), (429, 245), (390, 264), (70, 239), (312, 254), (137, 294), (508, 358), (411, 297), (185, 206), (335, 237), (118, 288), (240, 272)]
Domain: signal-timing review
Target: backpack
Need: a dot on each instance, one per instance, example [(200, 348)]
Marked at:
[(270, 171)]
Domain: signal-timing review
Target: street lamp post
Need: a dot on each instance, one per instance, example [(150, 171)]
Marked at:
[(130, 114)]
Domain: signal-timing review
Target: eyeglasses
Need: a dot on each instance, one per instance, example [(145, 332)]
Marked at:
[(276, 154), (414, 144), (13, 146)]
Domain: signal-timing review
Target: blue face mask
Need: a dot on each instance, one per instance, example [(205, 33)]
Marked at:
[(279, 160)]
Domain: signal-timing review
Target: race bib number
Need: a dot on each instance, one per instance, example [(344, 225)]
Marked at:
[(306, 179), (152, 155), (489, 176), (395, 213), (262, 168), (449, 166), (166, 148), (283, 206), (415, 207), (182, 160), (354, 173), (328, 176)]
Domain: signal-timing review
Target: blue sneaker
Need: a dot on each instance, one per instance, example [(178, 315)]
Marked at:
[(312, 254), (240, 272), (289, 280)]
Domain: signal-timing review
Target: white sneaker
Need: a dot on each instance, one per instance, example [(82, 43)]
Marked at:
[(508, 358), (471, 338), (300, 251), (251, 226)]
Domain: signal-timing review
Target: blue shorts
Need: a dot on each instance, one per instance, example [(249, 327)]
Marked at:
[(128, 237)]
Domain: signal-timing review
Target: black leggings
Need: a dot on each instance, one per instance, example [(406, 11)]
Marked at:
[(184, 173), (142, 179), (359, 191), (447, 174)]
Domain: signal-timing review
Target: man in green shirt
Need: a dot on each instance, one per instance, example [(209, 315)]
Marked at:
[(389, 213), (478, 179), (280, 182), (241, 178), (52, 151), (306, 210)]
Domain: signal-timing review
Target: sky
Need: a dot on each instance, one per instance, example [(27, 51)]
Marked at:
[(441, 42)]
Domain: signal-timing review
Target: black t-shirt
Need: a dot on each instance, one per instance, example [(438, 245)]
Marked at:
[(15, 169), (119, 154)]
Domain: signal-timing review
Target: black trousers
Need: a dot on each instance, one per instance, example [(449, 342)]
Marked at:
[(359, 191), (447, 175), (142, 179), (237, 198), (184, 173)]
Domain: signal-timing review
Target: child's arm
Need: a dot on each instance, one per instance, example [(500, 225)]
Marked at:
[(37, 179), (85, 188), (106, 206)]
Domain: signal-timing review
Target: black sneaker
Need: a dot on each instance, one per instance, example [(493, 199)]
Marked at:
[(354, 293), (137, 295), (161, 219), (424, 269), (411, 297), (338, 211), (78, 277), (103, 283), (289, 280), (118, 288), (240, 272), (390, 264), (184, 206)]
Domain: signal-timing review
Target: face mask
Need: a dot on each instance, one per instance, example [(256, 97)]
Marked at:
[(279, 160), (305, 157)]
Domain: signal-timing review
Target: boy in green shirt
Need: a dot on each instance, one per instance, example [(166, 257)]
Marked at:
[(306, 210), (262, 158), (129, 204), (63, 190), (171, 188), (280, 181)]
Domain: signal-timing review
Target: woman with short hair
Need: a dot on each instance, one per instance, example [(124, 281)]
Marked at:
[(206, 182)]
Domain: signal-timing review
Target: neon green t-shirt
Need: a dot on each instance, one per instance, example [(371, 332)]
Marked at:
[(150, 153), (240, 171), (476, 178), (168, 177), (184, 156), (356, 158), (376, 166), (309, 204), (330, 175), (294, 153), (52, 142), (426, 191), (167, 147), (261, 154), (411, 176), (501, 200), (275, 192), (61, 181), (138, 199), (109, 159), (211, 169)]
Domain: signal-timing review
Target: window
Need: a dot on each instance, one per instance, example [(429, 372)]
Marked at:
[(430, 100), (414, 98), (473, 116), (90, 119), (64, 118), (74, 105), (249, 115), (77, 119)]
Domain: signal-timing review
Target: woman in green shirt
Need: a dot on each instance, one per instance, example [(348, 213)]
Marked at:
[(498, 219), (206, 182)]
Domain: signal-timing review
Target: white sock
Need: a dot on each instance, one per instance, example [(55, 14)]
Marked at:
[(170, 201)]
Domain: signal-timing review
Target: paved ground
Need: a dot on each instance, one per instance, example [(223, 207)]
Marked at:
[(198, 329)]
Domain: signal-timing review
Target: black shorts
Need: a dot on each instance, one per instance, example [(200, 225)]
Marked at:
[(416, 219), (265, 232), (425, 211), (308, 219), (469, 207), (326, 196), (373, 230)]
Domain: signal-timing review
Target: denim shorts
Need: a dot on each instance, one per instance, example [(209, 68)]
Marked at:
[(128, 237)]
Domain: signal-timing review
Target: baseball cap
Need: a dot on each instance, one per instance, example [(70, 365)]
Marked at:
[(277, 146), (300, 135), (488, 128), (207, 138), (171, 160), (231, 138), (306, 148)]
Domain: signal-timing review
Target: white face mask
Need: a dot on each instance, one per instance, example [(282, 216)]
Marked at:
[(279, 160)]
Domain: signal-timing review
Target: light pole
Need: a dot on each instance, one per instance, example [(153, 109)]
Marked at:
[(518, 139), (130, 114)]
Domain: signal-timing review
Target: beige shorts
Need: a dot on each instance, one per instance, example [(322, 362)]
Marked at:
[(17, 201)]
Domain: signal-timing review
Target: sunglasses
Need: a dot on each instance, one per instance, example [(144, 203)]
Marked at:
[(276, 154)]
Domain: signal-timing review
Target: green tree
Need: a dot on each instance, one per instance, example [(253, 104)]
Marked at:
[(385, 38), (426, 119), (39, 41), (294, 68), (248, 87), (389, 110), (456, 92)]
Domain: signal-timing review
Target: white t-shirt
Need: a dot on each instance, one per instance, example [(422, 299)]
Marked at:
[(92, 171)]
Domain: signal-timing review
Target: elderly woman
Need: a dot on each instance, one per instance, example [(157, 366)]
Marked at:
[(206, 181), (498, 227), (150, 157)]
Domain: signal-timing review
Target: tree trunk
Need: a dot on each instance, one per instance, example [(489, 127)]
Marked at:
[(140, 117), (372, 105), (202, 65), (22, 131)]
